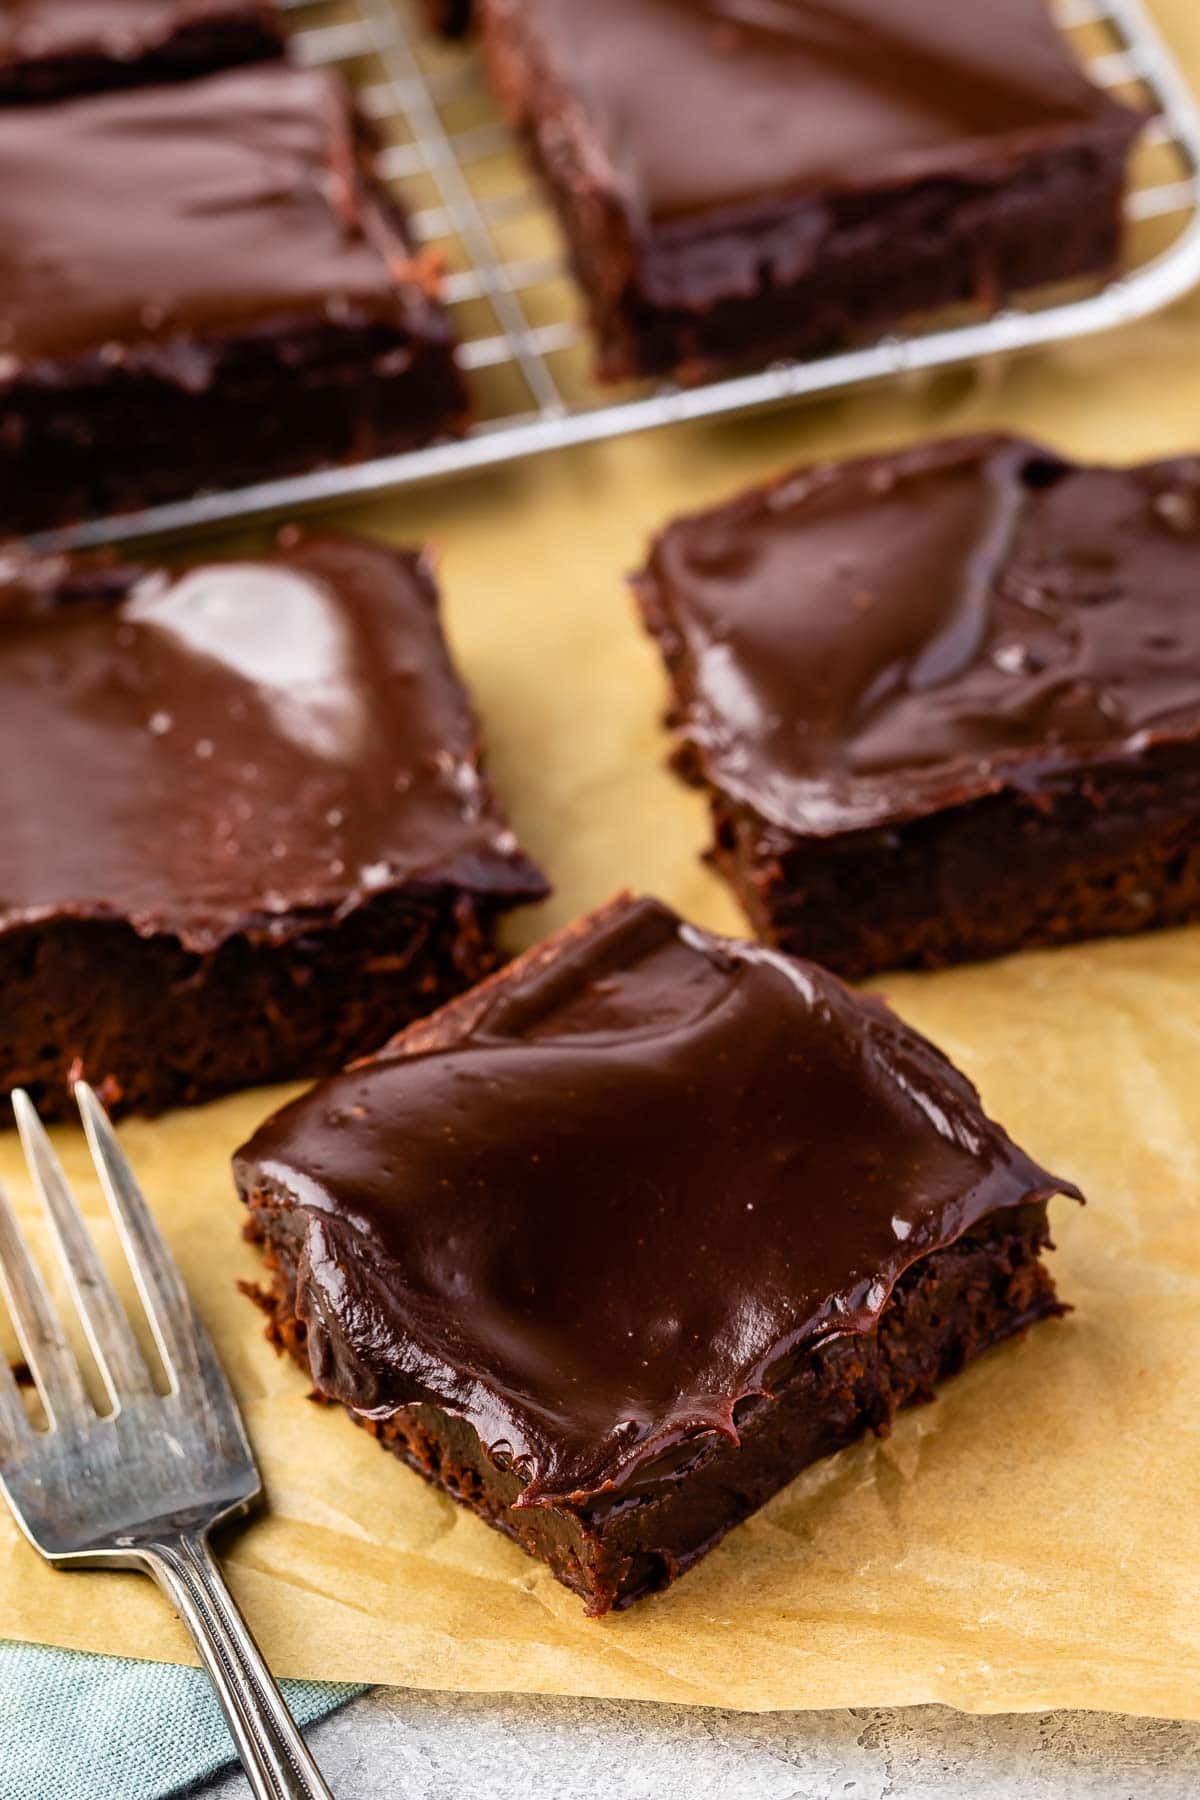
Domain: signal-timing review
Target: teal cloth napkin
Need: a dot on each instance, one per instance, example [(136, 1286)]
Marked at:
[(76, 1727)]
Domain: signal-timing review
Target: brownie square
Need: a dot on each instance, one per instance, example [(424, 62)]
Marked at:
[(202, 285), (256, 837), (742, 183), (50, 50), (946, 703), (614, 1246)]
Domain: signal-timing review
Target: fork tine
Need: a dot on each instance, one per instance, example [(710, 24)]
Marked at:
[(108, 1332), (181, 1340), (39, 1329)]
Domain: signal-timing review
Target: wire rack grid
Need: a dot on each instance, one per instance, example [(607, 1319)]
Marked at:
[(522, 346)]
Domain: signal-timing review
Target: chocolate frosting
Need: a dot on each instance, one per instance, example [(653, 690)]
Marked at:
[(131, 222), (599, 1203), (239, 746), (701, 104), (877, 640)]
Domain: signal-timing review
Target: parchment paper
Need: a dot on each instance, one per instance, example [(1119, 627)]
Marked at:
[(1033, 1538)]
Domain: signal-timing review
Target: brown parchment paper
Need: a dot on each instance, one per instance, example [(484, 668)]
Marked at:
[(1033, 1538)]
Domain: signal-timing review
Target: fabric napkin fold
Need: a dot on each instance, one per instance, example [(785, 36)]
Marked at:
[(81, 1727)]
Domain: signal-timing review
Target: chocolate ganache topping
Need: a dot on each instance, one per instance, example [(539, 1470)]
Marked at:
[(873, 641), (217, 206), (239, 746), (701, 104), (596, 1204)]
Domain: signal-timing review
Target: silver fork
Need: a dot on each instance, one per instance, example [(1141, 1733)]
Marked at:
[(142, 1486)]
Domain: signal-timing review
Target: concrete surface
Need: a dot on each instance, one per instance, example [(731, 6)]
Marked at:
[(398, 1744)]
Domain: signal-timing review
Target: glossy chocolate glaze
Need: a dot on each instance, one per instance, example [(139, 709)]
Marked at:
[(239, 746), (703, 104), (877, 640), (597, 1205), (133, 223)]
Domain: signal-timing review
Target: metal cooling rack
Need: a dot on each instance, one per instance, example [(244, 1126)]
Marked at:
[(525, 352)]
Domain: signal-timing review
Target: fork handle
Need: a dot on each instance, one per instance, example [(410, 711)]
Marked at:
[(268, 1740)]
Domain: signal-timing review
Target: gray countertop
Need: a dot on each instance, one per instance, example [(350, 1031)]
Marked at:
[(400, 1744)]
